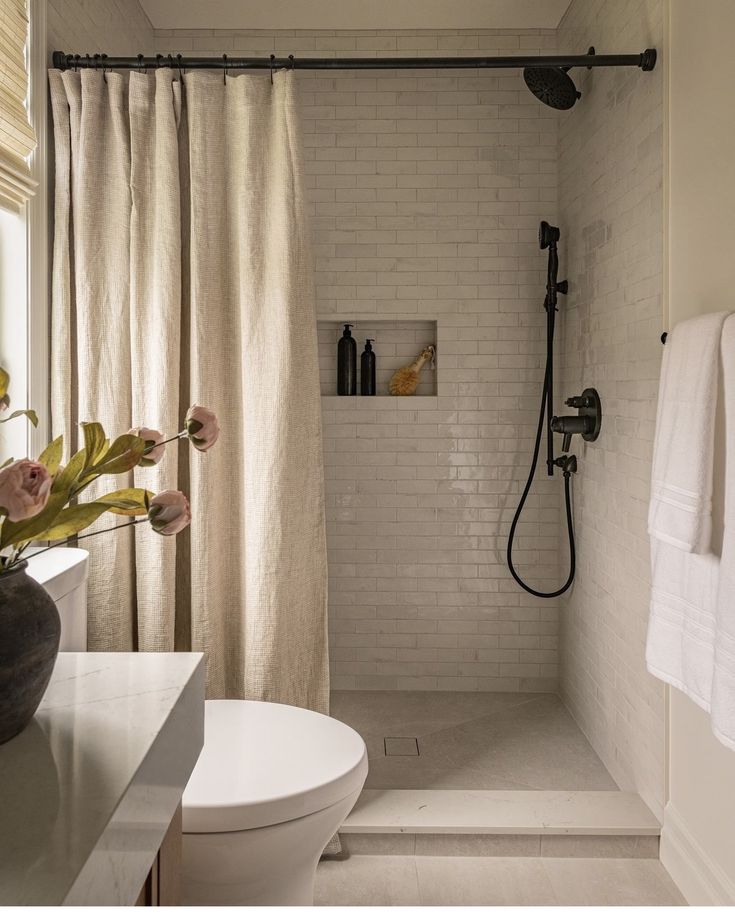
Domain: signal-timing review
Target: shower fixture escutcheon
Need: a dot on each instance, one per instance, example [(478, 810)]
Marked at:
[(586, 423)]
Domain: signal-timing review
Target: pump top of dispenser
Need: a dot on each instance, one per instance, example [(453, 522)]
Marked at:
[(369, 345), (347, 329)]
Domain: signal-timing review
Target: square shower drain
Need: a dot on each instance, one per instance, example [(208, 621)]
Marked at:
[(401, 745)]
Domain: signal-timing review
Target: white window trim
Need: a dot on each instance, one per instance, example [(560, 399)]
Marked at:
[(38, 233)]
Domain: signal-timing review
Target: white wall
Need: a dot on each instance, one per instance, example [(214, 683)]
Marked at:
[(426, 191), (611, 202), (115, 27), (697, 840)]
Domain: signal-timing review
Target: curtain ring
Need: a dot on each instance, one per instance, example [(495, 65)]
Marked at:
[(77, 59), (159, 58), (103, 58), (141, 67), (290, 57), (178, 63), (273, 58), (224, 76)]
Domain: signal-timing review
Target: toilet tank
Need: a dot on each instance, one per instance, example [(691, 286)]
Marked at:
[(62, 571)]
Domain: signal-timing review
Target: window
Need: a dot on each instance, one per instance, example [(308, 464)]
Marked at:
[(23, 219)]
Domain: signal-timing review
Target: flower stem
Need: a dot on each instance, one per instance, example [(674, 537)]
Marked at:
[(174, 438), (91, 534)]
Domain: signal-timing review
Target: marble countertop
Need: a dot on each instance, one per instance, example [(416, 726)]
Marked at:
[(88, 789)]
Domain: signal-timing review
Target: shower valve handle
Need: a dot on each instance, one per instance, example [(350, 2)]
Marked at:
[(579, 402), (586, 423)]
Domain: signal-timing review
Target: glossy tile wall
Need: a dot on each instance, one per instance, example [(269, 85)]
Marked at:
[(426, 191), (611, 200)]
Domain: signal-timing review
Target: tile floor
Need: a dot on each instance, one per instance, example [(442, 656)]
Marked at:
[(440, 881), (472, 740)]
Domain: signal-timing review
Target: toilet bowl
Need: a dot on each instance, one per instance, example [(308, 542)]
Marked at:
[(272, 785)]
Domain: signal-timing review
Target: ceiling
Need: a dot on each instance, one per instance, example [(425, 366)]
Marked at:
[(355, 14)]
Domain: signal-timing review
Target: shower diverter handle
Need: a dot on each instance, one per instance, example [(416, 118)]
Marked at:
[(588, 421)]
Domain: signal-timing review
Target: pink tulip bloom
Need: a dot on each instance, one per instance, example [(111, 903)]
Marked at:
[(151, 437), (24, 489), (201, 427), (169, 512)]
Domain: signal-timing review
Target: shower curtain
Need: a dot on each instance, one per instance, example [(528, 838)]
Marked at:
[(181, 275)]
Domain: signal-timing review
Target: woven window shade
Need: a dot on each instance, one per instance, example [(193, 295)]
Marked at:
[(17, 137)]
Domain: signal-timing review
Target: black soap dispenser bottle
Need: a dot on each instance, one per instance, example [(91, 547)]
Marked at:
[(367, 370), (347, 364)]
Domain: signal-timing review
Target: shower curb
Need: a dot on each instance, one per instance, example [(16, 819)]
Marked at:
[(501, 813)]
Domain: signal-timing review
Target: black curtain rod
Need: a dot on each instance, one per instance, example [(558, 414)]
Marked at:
[(646, 60)]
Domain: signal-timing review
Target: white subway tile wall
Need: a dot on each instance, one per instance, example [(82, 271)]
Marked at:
[(611, 201), (426, 190), (110, 26)]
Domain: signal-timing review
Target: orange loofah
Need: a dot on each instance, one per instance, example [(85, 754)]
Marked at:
[(405, 381)]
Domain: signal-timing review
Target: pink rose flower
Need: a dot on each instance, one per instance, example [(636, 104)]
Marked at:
[(169, 512), (24, 489), (201, 427), (154, 452)]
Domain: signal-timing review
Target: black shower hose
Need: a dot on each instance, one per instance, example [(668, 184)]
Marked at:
[(526, 490)]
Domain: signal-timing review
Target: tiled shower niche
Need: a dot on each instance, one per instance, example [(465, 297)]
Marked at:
[(395, 343)]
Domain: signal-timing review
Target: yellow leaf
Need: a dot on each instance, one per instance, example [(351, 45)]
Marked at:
[(51, 455), (121, 456)]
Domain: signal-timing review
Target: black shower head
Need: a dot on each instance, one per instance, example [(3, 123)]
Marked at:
[(552, 85), (547, 234)]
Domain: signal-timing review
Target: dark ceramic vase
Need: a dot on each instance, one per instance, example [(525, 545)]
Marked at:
[(29, 643)]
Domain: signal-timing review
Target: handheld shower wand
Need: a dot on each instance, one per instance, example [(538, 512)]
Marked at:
[(548, 237)]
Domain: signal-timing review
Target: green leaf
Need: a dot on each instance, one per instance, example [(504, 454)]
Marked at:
[(64, 481), (4, 382), (31, 414), (94, 442), (50, 457), (124, 453), (26, 530), (6, 463), (129, 501)]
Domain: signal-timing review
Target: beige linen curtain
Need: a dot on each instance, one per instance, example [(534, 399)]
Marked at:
[(181, 274)]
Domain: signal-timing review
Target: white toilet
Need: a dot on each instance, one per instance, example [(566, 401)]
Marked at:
[(272, 785), (62, 571)]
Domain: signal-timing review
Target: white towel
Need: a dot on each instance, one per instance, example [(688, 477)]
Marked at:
[(682, 624), (680, 513), (723, 683)]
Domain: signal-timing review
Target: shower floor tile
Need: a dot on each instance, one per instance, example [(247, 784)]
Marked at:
[(473, 741)]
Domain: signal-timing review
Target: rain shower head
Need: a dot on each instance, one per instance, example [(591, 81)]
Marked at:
[(552, 85)]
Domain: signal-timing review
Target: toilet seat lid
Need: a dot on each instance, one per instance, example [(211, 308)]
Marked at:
[(265, 763)]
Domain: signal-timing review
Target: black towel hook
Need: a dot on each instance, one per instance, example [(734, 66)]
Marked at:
[(290, 57), (224, 78), (273, 58), (141, 64)]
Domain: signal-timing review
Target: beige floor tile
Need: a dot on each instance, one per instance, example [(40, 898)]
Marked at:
[(484, 882), (611, 882), (367, 880)]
